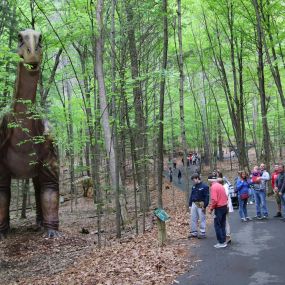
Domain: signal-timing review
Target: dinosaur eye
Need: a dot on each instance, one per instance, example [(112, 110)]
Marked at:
[(21, 40)]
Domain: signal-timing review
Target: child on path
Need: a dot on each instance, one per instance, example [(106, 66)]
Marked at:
[(179, 176), (170, 173)]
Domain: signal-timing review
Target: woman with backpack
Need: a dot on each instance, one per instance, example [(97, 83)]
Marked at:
[(243, 185)]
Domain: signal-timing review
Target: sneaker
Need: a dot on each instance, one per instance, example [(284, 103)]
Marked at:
[(201, 236), (243, 219), (265, 217), (278, 215), (251, 203), (248, 219), (192, 236), (257, 218), (221, 245)]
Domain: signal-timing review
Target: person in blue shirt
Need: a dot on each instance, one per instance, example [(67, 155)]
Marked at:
[(198, 203), (243, 188)]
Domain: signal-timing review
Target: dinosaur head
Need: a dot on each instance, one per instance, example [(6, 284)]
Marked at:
[(30, 48)]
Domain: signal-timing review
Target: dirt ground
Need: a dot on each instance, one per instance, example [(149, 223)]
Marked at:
[(26, 257)]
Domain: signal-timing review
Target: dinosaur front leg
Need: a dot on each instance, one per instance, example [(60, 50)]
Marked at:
[(49, 199), (5, 197)]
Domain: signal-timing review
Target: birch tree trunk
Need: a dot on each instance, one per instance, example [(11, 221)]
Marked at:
[(109, 143)]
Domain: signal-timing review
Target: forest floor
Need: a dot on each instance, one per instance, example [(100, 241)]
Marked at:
[(26, 257)]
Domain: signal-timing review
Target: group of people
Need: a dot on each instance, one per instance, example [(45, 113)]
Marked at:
[(170, 175), (192, 159), (218, 203), (217, 199)]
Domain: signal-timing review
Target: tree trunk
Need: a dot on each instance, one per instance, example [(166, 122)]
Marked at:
[(109, 143), (161, 224), (138, 105), (181, 100), (260, 71)]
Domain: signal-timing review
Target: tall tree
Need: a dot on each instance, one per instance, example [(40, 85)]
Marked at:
[(257, 4), (161, 224)]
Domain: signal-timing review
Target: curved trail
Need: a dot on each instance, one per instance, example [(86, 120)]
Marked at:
[(255, 256)]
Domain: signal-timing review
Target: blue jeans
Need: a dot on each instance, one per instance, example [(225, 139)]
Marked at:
[(220, 223), (260, 203), (283, 202), (242, 208), (251, 195)]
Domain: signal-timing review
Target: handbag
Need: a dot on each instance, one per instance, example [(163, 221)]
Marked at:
[(244, 196)]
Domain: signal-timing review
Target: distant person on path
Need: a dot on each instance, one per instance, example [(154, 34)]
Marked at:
[(188, 161), (179, 176), (174, 162), (219, 201), (198, 203), (243, 188), (223, 181), (260, 187), (280, 186), (170, 173), (277, 170)]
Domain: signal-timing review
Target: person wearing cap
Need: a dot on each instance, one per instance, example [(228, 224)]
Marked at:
[(219, 202), (198, 203)]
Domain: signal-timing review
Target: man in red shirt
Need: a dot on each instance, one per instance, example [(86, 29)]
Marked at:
[(219, 201), (274, 176)]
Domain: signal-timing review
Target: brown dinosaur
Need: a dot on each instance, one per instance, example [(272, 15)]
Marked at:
[(26, 150)]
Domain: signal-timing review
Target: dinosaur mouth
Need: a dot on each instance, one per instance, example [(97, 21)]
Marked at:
[(31, 66)]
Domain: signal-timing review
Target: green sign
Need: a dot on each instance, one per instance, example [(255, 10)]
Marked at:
[(161, 214)]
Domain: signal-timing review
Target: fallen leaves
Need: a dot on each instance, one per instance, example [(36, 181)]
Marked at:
[(73, 259)]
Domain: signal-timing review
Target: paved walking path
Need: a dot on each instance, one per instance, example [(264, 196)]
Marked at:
[(256, 255)]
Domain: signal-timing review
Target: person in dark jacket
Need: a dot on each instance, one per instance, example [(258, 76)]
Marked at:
[(179, 176), (198, 203), (274, 176), (280, 187)]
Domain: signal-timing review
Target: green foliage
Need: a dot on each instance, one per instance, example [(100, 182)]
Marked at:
[(71, 25)]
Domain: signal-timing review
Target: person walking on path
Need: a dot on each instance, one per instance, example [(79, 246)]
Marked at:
[(243, 189), (280, 186), (219, 201), (274, 175), (179, 176), (174, 161), (260, 188), (226, 185), (198, 203), (170, 173)]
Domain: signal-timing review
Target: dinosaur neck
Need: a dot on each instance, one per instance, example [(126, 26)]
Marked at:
[(26, 88)]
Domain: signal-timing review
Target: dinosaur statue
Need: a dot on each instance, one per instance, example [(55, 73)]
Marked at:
[(26, 150)]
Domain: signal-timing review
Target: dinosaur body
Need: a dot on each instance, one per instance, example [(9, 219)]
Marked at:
[(26, 151)]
